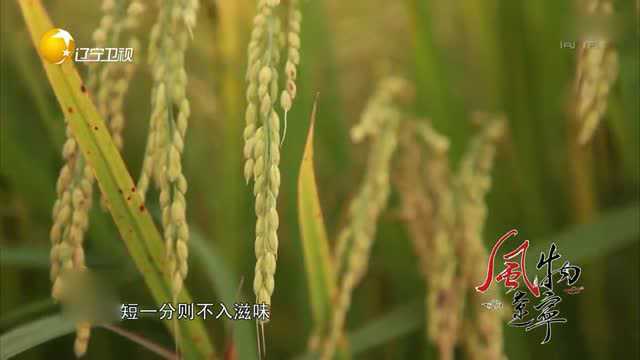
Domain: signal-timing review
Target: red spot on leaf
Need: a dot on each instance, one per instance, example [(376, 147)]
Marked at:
[(230, 352)]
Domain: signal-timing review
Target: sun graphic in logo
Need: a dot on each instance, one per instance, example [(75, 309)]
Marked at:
[(57, 46)]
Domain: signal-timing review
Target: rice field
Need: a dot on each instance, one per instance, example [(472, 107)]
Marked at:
[(319, 179)]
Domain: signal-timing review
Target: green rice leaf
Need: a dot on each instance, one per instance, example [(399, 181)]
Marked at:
[(25, 312), (321, 279), (612, 231), (33, 334), (320, 276)]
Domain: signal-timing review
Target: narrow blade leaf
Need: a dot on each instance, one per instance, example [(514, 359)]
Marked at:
[(320, 275), (612, 231), (314, 237), (33, 334)]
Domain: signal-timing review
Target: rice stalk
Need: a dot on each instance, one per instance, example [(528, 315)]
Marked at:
[(379, 123), (294, 17), (168, 125), (424, 184), (262, 141), (74, 190), (596, 71), (482, 330), (445, 218)]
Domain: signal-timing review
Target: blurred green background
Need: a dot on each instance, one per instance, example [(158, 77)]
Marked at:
[(462, 57)]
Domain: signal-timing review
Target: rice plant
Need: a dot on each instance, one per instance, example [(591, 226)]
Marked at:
[(387, 147)]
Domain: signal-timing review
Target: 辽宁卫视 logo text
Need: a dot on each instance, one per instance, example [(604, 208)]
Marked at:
[(57, 46)]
